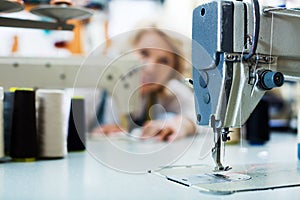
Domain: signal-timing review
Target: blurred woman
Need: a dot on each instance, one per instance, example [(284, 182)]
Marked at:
[(168, 110)]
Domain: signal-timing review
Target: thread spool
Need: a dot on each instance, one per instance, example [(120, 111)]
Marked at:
[(2, 154), (77, 130), (273, 3), (59, 2), (298, 118), (53, 113), (8, 105), (278, 3), (298, 134), (234, 136), (23, 133), (257, 126)]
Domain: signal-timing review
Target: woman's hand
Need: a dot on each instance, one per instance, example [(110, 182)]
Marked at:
[(108, 129), (168, 130)]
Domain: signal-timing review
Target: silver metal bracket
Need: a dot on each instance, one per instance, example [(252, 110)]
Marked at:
[(259, 58), (233, 57), (289, 12)]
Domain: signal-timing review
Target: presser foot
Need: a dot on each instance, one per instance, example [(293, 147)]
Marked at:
[(216, 154), (219, 168)]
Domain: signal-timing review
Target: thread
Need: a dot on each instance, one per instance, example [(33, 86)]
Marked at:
[(273, 3), (278, 3), (53, 113), (2, 154), (8, 105), (76, 132), (23, 131)]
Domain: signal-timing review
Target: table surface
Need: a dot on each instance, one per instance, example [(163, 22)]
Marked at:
[(87, 175)]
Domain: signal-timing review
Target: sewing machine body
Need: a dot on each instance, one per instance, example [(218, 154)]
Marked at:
[(240, 50), (229, 87)]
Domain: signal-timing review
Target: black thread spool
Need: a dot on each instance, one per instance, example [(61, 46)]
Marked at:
[(8, 105), (23, 133), (2, 152), (257, 126), (76, 132)]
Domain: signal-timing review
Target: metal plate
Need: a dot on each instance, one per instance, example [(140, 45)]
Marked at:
[(241, 178), (10, 6), (61, 12)]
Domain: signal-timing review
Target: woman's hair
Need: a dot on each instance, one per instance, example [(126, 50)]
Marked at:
[(175, 44)]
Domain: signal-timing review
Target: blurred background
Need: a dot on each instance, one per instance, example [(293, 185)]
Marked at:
[(114, 17), (111, 17)]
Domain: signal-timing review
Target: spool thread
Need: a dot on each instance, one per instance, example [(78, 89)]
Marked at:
[(23, 133), (2, 154), (53, 113), (77, 127), (234, 136), (298, 133), (257, 126), (8, 105)]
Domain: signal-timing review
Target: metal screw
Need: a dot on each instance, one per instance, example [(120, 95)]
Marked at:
[(269, 59), (229, 57)]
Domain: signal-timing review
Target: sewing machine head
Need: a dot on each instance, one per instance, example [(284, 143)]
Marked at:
[(240, 50)]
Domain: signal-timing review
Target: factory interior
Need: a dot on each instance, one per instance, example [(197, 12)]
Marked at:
[(149, 99)]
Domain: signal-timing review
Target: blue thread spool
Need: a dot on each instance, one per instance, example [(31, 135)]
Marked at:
[(8, 105), (275, 3)]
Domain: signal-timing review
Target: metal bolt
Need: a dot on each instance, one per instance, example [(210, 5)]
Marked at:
[(229, 57), (269, 59)]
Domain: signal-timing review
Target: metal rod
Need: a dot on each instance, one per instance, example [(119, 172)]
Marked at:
[(292, 12), (25, 23)]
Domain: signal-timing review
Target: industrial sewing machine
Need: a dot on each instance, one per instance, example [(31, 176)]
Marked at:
[(240, 50)]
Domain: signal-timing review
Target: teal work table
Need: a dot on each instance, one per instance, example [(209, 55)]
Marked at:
[(81, 176)]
